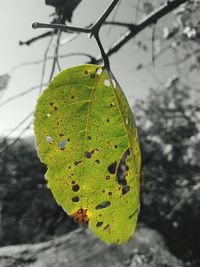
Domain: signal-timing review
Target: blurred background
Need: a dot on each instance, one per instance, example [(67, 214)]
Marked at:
[(158, 70)]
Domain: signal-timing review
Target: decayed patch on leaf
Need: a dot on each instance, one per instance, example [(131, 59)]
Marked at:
[(85, 134)]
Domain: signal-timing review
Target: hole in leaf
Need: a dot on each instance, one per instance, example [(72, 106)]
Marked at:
[(76, 188), (112, 167), (75, 199), (122, 168), (61, 145), (103, 205), (98, 71), (87, 154), (107, 83), (125, 189), (49, 139)]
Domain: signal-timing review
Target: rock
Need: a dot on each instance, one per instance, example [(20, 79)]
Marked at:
[(81, 248)]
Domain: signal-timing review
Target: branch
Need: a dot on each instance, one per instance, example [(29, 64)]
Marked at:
[(149, 20), (34, 39)]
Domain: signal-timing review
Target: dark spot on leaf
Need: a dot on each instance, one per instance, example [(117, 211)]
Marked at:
[(108, 177), (97, 161), (87, 154), (77, 162), (122, 169), (115, 146), (133, 214), (99, 224), (103, 191), (72, 97), (117, 240), (103, 205), (92, 152), (106, 227), (110, 193), (86, 72), (75, 199), (89, 137), (125, 189), (51, 104), (112, 167), (92, 76), (108, 120), (68, 140), (112, 104), (76, 188), (73, 182), (61, 135), (55, 108)]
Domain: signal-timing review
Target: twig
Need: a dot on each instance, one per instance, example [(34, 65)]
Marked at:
[(44, 62), (55, 55), (44, 35), (182, 201), (20, 94), (7, 147), (18, 125)]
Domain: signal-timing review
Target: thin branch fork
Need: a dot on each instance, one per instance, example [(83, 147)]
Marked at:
[(93, 30)]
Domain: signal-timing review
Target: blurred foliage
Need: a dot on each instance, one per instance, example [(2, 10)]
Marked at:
[(63, 9), (168, 123), (28, 212)]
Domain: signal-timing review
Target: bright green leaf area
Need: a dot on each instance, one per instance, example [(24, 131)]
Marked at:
[(86, 135)]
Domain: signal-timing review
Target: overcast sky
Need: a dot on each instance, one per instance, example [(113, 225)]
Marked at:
[(15, 20)]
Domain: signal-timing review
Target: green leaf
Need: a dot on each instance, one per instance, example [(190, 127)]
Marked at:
[(85, 134)]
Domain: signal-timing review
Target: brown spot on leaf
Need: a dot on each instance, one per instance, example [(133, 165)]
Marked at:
[(87, 154), (108, 177), (77, 162), (103, 205), (81, 216), (61, 135), (76, 188), (106, 228), (99, 224), (97, 161), (75, 199), (89, 137)]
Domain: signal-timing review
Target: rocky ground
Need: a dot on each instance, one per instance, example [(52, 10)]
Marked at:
[(81, 248)]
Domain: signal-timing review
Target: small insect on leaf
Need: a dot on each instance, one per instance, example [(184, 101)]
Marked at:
[(89, 143)]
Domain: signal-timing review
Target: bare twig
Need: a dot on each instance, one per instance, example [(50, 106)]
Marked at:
[(44, 62), (55, 55), (44, 35), (183, 201), (6, 101)]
